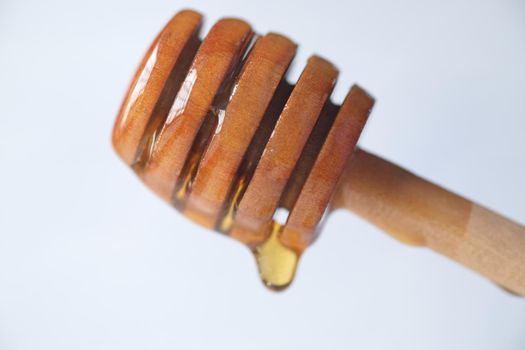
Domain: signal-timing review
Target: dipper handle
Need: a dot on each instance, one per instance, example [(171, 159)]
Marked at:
[(418, 212)]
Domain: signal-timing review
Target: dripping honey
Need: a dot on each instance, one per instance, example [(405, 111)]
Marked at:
[(276, 262)]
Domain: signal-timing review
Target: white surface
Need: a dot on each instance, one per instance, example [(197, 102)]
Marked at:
[(90, 259)]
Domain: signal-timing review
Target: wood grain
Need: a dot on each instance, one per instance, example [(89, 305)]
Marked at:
[(417, 212)]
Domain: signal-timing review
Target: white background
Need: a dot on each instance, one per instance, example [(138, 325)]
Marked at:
[(90, 259)]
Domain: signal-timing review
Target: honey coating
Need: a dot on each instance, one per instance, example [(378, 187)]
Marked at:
[(225, 139)]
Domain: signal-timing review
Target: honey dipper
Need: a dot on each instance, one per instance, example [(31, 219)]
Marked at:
[(213, 127)]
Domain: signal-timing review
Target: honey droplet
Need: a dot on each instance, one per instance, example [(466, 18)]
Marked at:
[(276, 262)]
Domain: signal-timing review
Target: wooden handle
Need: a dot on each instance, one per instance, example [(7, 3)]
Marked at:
[(418, 212)]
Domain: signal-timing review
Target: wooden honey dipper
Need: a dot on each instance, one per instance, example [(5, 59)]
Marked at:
[(214, 128)]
